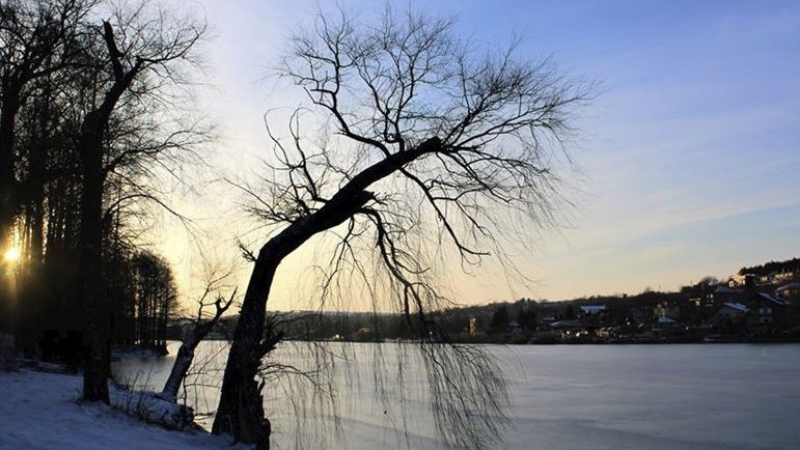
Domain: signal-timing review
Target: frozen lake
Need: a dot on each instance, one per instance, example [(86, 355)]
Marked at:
[(615, 397)]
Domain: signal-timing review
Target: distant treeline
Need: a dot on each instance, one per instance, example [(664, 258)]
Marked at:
[(492, 322), (485, 323), (792, 265)]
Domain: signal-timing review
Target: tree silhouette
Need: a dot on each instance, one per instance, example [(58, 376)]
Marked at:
[(428, 142), (569, 313), (499, 322), (141, 53), (527, 317), (37, 39)]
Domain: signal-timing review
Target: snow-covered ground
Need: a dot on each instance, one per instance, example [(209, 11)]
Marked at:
[(40, 411)]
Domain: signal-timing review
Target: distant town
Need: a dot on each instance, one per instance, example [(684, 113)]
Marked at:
[(757, 304)]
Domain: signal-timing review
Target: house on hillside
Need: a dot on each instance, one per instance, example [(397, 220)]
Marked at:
[(730, 318), (765, 313), (790, 292), (594, 317), (747, 280), (607, 333), (727, 294), (591, 310), (567, 329), (730, 312), (783, 277), (704, 308), (667, 327), (473, 326), (670, 310)]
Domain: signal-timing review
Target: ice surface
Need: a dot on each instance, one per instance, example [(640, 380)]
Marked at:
[(615, 397)]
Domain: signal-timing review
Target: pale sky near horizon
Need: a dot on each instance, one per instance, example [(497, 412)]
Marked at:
[(689, 155)]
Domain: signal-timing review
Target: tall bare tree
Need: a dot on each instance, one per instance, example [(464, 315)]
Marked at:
[(145, 48), (427, 141)]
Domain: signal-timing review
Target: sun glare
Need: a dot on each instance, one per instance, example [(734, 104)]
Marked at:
[(11, 255)]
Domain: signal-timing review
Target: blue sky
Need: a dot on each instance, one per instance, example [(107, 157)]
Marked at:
[(689, 156)]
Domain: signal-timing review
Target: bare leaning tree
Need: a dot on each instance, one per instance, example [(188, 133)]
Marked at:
[(204, 321), (427, 143)]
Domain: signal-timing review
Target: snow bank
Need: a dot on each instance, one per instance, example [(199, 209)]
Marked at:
[(40, 411), (149, 407)]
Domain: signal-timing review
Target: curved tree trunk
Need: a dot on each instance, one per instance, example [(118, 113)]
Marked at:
[(186, 352), (241, 406), (179, 370), (241, 411)]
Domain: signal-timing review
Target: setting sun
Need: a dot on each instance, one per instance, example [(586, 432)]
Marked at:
[(11, 255)]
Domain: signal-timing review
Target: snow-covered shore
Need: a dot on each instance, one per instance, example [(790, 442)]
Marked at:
[(40, 411)]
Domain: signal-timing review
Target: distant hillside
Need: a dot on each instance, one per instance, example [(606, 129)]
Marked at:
[(792, 265), (475, 323)]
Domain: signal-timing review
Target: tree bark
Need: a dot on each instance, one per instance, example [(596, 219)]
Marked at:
[(241, 410), (179, 370), (96, 372)]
